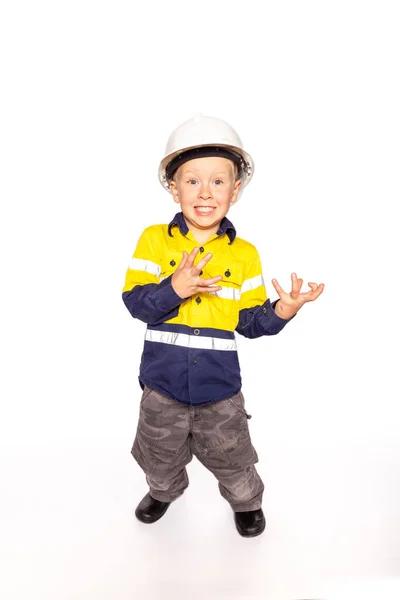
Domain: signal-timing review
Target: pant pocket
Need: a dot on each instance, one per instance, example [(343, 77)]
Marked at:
[(237, 402), (146, 393), (233, 454), (154, 460), (160, 437)]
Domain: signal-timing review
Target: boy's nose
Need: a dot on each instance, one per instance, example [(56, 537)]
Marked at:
[(205, 192)]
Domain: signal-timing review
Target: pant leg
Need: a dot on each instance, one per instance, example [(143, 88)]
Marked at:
[(221, 441), (161, 446)]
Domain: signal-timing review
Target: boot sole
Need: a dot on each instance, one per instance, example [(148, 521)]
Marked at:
[(153, 520)]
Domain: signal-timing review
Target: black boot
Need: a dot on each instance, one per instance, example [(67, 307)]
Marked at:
[(250, 523), (150, 510)]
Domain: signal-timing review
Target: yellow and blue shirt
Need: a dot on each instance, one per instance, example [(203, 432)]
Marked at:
[(190, 351)]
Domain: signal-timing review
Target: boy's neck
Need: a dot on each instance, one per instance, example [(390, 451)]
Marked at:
[(202, 235)]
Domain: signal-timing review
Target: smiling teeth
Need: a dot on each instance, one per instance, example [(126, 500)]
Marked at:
[(204, 209)]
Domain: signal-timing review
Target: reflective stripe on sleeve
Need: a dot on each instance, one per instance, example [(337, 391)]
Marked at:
[(251, 284), (139, 264), (189, 341)]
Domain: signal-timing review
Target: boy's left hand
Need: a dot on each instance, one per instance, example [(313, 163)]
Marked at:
[(289, 304)]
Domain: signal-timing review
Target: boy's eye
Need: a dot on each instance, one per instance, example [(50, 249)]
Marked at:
[(218, 181), (192, 181)]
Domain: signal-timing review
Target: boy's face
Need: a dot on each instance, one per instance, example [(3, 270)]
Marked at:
[(205, 189)]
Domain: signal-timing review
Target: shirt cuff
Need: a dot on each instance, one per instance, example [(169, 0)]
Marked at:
[(165, 297), (270, 320)]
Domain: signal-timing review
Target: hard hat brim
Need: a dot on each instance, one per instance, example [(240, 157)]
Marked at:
[(247, 169)]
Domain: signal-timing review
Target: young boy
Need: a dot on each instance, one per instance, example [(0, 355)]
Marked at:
[(194, 282)]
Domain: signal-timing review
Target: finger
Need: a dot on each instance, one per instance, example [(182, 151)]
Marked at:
[(277, 287), (312, 285), (316, 289), (210, 281), (202, 263), (295, 285), (183, 260), (191, 257), (300, 282), (313, 295)]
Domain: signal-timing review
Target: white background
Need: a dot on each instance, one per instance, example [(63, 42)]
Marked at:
[(90, 94)]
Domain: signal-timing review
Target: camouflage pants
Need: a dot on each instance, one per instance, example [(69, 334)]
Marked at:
[(169, 433)]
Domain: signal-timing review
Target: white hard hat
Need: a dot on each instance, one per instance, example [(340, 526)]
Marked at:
[(204, 136)]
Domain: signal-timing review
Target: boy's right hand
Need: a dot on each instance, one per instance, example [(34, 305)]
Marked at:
[(186, 280)]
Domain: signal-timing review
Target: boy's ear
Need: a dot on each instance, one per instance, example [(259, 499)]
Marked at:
[(174, 190), (235, 193)]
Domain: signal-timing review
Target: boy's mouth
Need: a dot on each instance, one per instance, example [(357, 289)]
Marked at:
[(204, 210)]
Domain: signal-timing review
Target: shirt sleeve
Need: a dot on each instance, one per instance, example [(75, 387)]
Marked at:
[(145, 296), (256, 314)]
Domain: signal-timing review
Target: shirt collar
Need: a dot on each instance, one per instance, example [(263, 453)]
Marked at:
[(225, 227)]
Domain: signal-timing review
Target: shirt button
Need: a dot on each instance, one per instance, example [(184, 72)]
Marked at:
[(201, 249), (198, 300), (194, 361), (227, 273), (196, 331), (172, 263), (264, 310)]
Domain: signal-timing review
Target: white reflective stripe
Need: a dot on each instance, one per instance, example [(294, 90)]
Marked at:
[(228, 293), (251, 284), (139, 264), (189, 341)]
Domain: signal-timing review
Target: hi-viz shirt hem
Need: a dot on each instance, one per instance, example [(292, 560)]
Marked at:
[(186, 401)]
